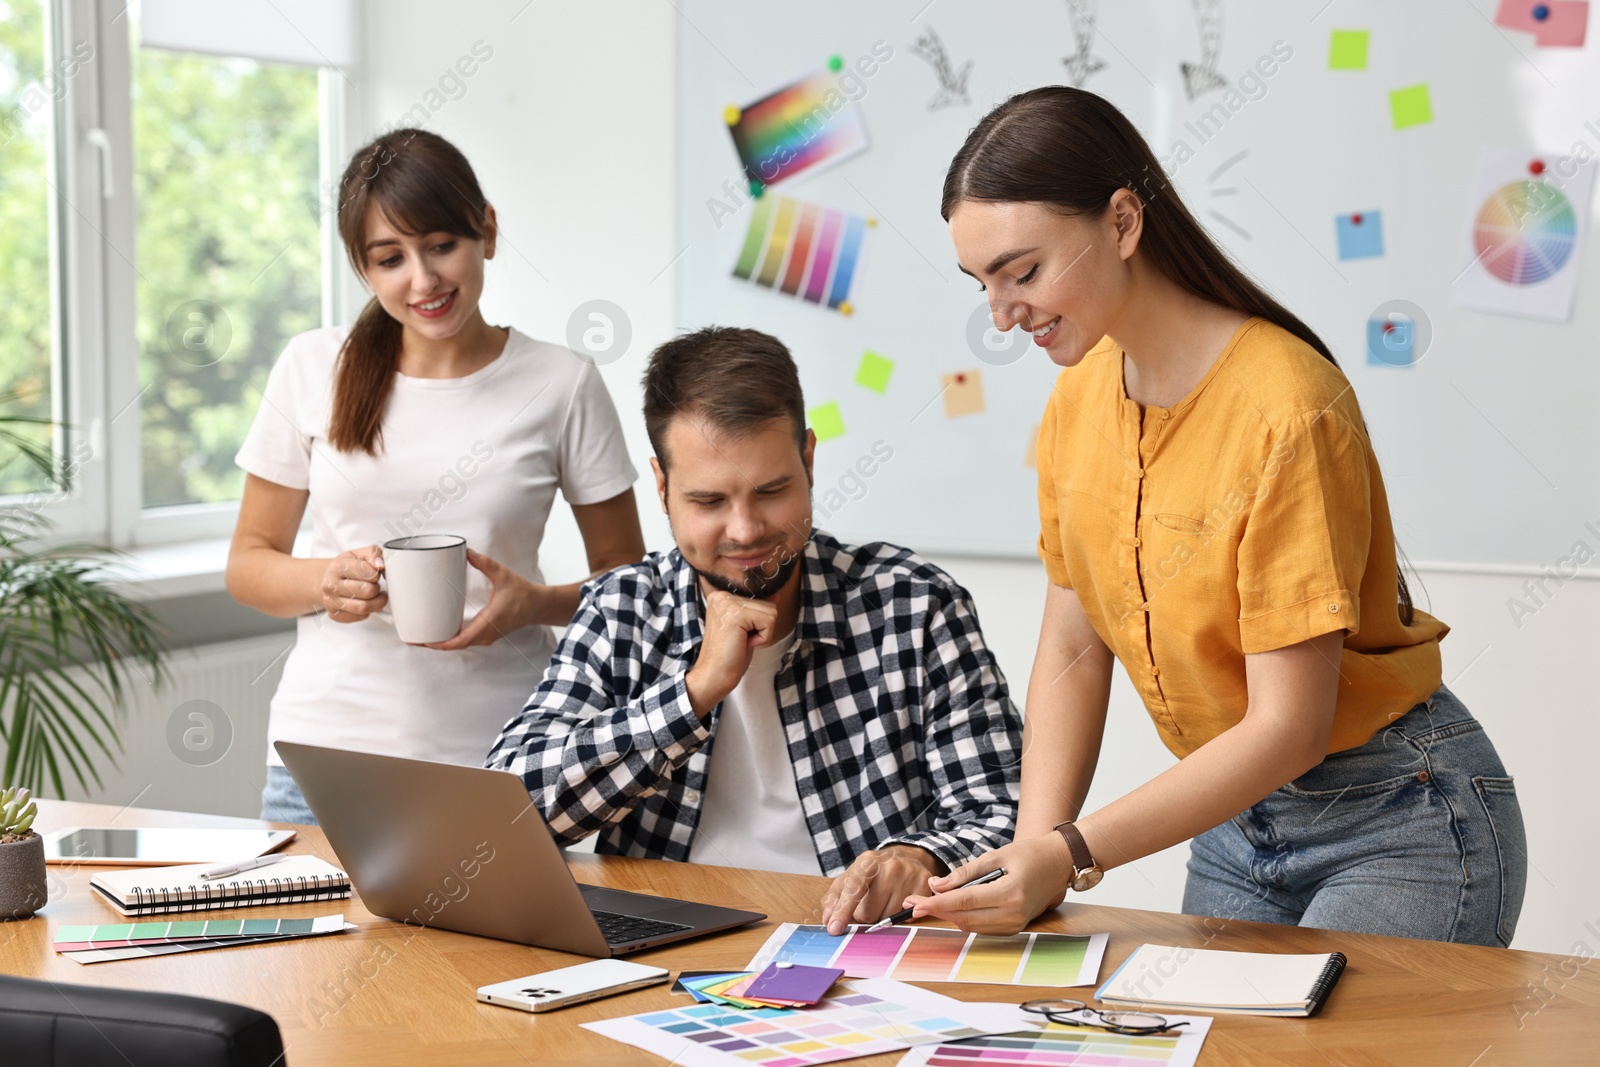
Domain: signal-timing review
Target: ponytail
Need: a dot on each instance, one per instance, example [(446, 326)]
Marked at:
[(363, 380)]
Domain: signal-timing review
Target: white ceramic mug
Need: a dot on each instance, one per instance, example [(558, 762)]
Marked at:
[(427, 579)]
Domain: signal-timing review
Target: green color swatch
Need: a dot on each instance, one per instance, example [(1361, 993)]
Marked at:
[(874, 372), (826, 421), (1411, 107), (1056, 959), (1347, 50)]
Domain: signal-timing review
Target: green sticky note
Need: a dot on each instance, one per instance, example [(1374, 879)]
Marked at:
[(1410, 107), (874, 372), (826, 421), (1347, 50)]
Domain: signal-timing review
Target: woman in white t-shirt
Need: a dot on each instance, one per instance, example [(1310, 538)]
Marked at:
[(419, 418)]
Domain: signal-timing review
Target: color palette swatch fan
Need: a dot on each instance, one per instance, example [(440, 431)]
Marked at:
[(803, 250), (931, 954), (1522, 248)]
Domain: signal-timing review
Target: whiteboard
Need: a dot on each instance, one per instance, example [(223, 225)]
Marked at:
[(1486, 442)]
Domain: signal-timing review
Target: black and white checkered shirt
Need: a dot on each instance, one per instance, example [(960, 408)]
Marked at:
[(897, 716)]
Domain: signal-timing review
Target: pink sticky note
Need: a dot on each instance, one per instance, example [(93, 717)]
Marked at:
[(1566, 25), (1553, 23), (1517, 15)]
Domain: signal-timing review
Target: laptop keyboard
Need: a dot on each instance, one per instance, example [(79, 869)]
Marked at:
[(621, 929)]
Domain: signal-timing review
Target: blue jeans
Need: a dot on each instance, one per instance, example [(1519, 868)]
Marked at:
[(1416, 833), (281, 800)]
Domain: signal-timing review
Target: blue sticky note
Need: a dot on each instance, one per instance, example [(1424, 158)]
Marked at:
[(1360, 234), (1391, 341)]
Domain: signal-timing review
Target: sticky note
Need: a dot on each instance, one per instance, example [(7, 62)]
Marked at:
[(1360, 234), (1347, 50), (1564, 26), (1410, 107), (874, 372), (963, 393), (1391, 341), (1553, 23), (826, 421)]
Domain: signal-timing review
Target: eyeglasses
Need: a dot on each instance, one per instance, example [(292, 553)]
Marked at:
[(1072, 1012)]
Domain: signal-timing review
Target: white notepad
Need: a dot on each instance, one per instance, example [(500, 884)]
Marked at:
[(152, 890), (1211, 980)]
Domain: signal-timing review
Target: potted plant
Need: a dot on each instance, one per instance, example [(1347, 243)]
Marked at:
[(70, 643), (22, 885)]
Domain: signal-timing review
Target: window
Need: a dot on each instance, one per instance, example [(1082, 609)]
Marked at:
[(163, 233), (27, 313), (229, 263)]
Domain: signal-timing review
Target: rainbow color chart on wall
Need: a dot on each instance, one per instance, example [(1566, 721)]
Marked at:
[(1528, 222), (799, 127), (805, 250)]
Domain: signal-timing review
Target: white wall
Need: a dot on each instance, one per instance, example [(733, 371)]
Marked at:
[(571, 127)]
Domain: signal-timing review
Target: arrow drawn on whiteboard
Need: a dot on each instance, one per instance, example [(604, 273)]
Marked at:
[(952, 82), (1082, 63), (1202, 76)]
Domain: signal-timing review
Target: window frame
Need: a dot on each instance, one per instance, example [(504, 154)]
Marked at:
[(95, 371)]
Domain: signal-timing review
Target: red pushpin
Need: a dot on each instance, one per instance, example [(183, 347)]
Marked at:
[(1355, 220), (1536, 167)]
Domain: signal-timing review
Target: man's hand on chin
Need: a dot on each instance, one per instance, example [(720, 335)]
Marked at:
[(877, 884)]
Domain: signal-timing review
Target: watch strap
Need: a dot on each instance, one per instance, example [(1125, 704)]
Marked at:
[(1081, 859)]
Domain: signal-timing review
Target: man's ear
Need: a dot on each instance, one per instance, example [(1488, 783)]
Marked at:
[(661, 482), (808, 453)]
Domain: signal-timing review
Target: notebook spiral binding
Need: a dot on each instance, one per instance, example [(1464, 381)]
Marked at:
[(1325, 982), (261, 890)]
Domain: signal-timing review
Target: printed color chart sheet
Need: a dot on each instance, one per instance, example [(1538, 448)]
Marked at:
[(1070, 1046), (930, 954), (862, 1019)]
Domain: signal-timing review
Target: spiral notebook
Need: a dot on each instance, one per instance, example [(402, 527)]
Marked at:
[(152, 890), (1211, 980)]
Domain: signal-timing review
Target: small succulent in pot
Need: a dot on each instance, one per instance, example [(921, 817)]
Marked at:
[(22, 875)]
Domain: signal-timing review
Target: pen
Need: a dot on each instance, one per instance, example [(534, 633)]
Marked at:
[(238, 868), (902, 916)]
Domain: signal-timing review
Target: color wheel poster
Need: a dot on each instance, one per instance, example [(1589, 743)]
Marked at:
[(1525, 234)]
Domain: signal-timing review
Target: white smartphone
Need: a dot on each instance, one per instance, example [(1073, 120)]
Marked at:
[(572, 985)]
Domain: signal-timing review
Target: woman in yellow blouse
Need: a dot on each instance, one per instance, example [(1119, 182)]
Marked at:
[(1213, 518)]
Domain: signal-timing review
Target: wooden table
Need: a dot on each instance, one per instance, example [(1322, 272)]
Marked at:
[(391, 994)]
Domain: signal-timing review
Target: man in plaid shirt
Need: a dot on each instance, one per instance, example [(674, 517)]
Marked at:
[(764, 696)]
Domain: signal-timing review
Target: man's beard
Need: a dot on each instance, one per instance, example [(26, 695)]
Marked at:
[(756, 584)]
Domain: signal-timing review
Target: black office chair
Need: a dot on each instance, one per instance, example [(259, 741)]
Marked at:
[(50, 1024)]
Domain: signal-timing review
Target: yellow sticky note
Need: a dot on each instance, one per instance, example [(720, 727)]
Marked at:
[(874, 372), (826, 421), (963, 393), (1347, 50), (1410, 106)]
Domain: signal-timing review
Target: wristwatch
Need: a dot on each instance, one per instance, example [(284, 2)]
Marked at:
[(1086, 873)]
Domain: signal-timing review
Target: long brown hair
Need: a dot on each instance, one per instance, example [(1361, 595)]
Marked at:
[(422, 184), (1072, 150)]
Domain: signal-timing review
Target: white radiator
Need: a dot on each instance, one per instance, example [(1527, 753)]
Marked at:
[(200, 743)]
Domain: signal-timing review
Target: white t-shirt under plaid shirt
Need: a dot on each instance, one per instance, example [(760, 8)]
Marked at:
[(480, 456), (898, 723)]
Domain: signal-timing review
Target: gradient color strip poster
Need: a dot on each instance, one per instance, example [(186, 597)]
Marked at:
[(803, 250), (797, 128), (931, 954)]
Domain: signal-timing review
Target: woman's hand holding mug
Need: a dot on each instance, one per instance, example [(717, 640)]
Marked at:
[(349, 587)]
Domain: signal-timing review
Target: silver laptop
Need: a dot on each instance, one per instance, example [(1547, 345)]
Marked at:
[(463, 848)]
